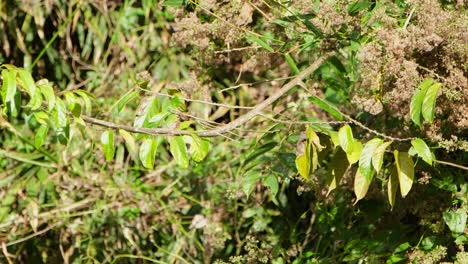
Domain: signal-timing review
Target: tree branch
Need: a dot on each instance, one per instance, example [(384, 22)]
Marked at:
[(221, 129)]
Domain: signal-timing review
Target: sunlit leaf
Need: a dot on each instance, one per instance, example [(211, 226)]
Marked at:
[(417, 101), (41, 135), (355, 150), (422, 150), (345, 135), (365, 159), (27, 82), (377, 158), (41, 117), (314, 139), (428, 104), (198, 148), (60, 114), (272, 182), (392, 186), (337, 168), (147, 153), (9, 87), (303, 164), (178, 150), (107, 142), (49, 95), (361, 186), (405, 168)]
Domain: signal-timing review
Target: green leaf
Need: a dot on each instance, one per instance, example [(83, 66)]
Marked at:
[(178, 150), (41, 135), (377, 158), (365, 160), (326, 107), (59, 114), (272, 182), (428, 104), (291, 63), (198, 147), (41, 117), (248, 182), (49, 95), (129, 141), (259, 41), (129, 96), (36, 101), (361, 186), (107, 142), (173, 3), (356, 6), (334, 138), (422, 150), (456, 220), (392, 186), (417, 101), (9, 88), (337, 168), (147, 153), (27, 82), (405, 169)]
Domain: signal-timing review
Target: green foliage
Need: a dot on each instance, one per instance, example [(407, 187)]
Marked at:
[(103, 117)]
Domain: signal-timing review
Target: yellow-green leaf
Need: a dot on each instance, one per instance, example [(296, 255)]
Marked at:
[(303, 165), (355, 151), (9, 87), (129, 141), (107, 142), (377, 158), (345, 136), (27, 82), (49, 95), (361, 186), (392, 186), (198, 147), (422, 150), (41, 135), (178, 150), (405, 168), (147, 153), (365, 160), (428, 104)]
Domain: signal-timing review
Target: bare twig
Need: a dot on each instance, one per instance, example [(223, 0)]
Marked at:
[(32, 235), (451, 164), (221, 129)]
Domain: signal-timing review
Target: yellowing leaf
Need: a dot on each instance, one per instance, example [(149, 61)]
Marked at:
[(392, 186), (405, 168), (129, 141), (354, 152), (361, 186), (303, 165), (313, 138), (365, 160), (422, 150), (377, 158)]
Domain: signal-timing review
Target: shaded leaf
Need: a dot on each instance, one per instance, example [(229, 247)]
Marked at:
[(129, 141), (422, 150), (405, 168), (178, 150), (337, 168), (259, 41), (456, 220), (392, 186), (272, 182), (107, 142), (291, 63), (129, 96), (248, 182), (147, 153), (326, 107)]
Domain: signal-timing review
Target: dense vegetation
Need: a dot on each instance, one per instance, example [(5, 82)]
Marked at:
[(260, 131)]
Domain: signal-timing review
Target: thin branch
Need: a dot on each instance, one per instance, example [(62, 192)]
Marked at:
[(32, 235), (254, 83), (224, 128), (451, 164)]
